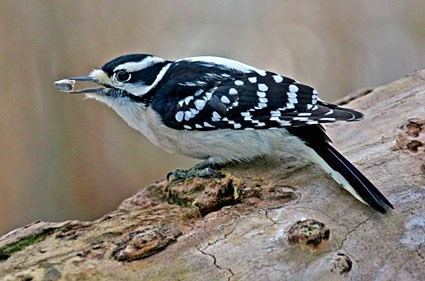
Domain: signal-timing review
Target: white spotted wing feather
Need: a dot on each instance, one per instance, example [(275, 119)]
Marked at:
[(230, 95)]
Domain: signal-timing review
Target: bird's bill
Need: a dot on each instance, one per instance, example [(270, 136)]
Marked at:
[(68, 85)]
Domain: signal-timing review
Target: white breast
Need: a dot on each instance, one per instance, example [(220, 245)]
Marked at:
[(220, 145)]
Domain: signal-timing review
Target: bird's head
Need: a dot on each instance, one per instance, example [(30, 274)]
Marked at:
[(125, 76)]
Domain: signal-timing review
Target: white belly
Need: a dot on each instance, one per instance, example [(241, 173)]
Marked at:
[(221, 145), (217, 145), (230, 145)]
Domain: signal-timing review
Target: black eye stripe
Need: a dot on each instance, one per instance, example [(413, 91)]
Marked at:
[(147, 75)]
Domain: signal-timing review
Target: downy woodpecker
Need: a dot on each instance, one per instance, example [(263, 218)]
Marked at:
[(221, 110)]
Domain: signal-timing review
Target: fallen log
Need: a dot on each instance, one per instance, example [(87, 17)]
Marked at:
[(280, 220)]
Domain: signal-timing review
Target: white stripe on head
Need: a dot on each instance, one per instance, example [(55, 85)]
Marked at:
[(140, 90), (139, 65)]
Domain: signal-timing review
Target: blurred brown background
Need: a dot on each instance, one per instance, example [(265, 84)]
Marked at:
[(65, 158)]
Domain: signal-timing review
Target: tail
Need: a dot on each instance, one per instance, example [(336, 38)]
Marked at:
[(351, 179), (340, 169)]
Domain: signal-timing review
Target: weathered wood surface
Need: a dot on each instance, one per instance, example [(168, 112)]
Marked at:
[(269, 221)]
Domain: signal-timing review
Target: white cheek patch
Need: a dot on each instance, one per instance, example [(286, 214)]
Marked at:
[(138, 89)]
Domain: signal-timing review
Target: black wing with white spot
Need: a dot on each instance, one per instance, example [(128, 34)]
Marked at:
[(205, 96)]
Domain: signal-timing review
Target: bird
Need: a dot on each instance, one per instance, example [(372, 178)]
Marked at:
[(221, 111)]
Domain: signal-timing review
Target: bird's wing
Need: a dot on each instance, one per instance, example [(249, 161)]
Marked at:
[(198, 96)]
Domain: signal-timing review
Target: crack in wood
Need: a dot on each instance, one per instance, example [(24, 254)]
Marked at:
[(341, 247), (203, 252)]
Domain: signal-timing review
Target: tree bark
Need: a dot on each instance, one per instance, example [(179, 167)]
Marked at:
[(271, 220)]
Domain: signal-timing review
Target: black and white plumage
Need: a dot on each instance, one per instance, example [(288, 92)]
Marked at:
[(222, 110)]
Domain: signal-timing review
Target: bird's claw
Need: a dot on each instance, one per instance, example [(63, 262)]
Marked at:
[(180, 174)]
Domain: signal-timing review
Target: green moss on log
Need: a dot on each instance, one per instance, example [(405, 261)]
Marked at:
[(9, 249)]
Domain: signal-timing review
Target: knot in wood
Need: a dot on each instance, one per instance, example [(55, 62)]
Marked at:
[(309, 232)]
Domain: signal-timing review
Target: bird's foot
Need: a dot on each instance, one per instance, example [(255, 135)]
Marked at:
[(198, 171)]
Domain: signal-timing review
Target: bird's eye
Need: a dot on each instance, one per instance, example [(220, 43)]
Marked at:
[(122, 76)]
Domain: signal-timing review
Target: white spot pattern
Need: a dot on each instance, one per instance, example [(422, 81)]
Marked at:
[(277, 78), (200, 104), (179, 116), (201, 97), (291, 95), (188, 99), (292, 100), (293, 88), (275, 113), (216, 116), (206, 124), (262, 87), (290, 105), (187, 115), (225, 99), (261, 105), (198, 92), (285, 123), (300, 118), (194, 112), (304, 114)]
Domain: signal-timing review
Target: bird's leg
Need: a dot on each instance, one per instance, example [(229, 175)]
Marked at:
[(204, 169)]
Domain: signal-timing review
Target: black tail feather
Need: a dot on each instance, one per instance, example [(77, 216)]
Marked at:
[(316, 138), (367, 191)]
